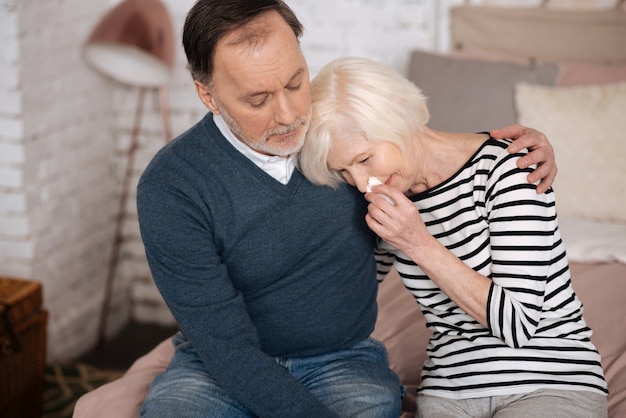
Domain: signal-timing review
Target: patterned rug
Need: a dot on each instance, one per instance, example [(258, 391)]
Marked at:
[(65, 384)]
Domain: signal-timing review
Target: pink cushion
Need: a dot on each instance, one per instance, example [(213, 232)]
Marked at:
[(601, 287), (402, 327), (123, 397), (579, 73)]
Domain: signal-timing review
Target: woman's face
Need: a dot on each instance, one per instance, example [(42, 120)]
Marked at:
[(358, 159)]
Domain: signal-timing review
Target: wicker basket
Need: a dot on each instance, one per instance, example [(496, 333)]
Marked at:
[(22, 348)]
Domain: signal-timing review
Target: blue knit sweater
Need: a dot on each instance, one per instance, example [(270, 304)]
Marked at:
[(252, 268)]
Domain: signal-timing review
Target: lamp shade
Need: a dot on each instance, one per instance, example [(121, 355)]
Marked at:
[(133, 43)]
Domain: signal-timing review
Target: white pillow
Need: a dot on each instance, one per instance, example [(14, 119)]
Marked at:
[(587, 127)]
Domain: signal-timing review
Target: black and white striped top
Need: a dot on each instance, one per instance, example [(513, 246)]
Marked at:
[(490, 217)]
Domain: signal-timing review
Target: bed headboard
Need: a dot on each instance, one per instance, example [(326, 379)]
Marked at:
[(542, 33)]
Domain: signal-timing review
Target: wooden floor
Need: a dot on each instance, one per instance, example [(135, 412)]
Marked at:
[(133, 341)]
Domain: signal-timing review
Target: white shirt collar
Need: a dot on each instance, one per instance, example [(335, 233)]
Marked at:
[(280, 168)]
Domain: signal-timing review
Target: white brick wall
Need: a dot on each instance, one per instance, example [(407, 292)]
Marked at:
[(64, 131), (14, 246), (57, 186)]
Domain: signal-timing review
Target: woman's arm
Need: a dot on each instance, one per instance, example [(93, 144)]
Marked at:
[(509, 302), (402, 227)]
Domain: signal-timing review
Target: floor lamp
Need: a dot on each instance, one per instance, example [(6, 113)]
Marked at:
[(133, 44)]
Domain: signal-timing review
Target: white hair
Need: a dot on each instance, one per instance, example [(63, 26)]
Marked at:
[(359, 96)]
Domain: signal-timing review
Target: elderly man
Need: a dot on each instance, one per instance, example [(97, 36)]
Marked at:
[(271, 279)]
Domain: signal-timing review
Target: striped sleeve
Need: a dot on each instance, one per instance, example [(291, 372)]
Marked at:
[(521, 226), (384, 261)]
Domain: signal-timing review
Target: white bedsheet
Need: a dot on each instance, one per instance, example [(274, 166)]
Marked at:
[(591, 241)]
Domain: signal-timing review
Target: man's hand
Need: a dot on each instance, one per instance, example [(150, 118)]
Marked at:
[(541, 153)]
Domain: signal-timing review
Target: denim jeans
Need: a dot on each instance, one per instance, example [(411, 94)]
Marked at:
[(354, 382)]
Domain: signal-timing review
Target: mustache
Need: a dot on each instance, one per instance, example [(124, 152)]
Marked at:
[(281, 130)]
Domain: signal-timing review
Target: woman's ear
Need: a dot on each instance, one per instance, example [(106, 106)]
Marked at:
[(206, 97)]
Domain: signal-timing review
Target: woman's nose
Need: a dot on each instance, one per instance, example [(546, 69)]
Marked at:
[(361, 183)]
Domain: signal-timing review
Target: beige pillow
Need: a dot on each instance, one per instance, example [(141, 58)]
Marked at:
[(587, 127)]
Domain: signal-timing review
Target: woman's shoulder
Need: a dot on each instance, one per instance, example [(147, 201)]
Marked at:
[(493, 155), (501, 144)]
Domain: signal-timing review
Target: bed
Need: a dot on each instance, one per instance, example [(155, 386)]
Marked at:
[(563, 73)]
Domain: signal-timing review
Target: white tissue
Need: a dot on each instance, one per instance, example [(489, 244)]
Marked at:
[(373, 181)]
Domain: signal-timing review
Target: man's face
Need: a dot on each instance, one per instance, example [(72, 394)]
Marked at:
[(262, 89)]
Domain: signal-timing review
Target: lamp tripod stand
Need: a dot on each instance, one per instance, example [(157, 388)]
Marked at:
[(134, 44), (121, 211)]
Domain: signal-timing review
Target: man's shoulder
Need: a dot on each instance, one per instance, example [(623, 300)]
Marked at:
[(189, 143), (192, 148), (197, 135)]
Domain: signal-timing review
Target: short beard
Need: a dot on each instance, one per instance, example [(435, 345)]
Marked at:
[(261, 144)]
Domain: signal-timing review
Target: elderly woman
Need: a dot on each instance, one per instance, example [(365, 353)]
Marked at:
[(473, 242)]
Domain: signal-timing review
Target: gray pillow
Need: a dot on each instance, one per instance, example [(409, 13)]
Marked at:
[(471, 95)]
